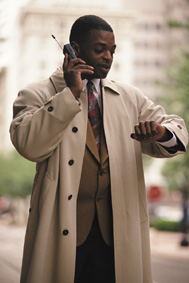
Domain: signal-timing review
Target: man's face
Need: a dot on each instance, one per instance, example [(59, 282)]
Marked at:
[(97, 51)]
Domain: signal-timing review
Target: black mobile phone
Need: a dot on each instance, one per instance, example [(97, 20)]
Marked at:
[(71, 55), (69, 50)]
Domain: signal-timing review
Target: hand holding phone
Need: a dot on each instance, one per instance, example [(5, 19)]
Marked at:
[(75, 69)]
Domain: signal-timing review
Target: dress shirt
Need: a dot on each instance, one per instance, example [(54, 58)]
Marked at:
[(96, 90), (171, 142)]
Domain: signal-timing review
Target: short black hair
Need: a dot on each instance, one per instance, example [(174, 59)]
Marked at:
[(82, 26)]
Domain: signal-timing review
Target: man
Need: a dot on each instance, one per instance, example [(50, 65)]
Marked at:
[(88, 218)]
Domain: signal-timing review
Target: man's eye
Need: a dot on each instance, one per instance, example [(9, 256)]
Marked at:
[(98, 51)]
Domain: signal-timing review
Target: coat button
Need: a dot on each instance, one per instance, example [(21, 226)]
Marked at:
[(74, 129), (179, 126), (71, 162), (98, 199), (65, 232), (50, 108), (69, 197)]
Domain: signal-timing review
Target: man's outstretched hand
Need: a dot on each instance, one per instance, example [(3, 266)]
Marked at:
[(150, 131)]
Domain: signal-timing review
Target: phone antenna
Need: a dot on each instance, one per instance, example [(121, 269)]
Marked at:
[(56, 41)]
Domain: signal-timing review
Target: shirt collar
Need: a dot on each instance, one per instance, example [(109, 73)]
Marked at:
[(59, 83), (96, 83)]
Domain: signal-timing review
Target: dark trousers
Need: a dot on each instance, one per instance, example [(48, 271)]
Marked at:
[(95, 259)]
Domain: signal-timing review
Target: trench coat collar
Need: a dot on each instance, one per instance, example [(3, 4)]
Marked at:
[(59, 84), (106, 83)]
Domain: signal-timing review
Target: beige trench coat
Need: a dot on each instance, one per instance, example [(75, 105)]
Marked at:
[(44, 116)]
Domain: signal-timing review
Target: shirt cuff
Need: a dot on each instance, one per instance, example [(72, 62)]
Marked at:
[(170, 143)]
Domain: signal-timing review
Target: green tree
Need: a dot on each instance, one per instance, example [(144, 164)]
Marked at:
[(176, 170), (16, 175)]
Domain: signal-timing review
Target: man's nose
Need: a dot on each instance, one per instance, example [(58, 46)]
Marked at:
[(107, 56)]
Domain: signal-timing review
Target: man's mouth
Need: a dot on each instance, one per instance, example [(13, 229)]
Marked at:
[(104, 67)]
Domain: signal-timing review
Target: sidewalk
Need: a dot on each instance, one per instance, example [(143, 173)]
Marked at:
[(12, 241), (11, 247), (168, 244)]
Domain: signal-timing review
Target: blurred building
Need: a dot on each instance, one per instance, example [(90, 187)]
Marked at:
[(144, 43), (41, 55), (9, 62), (5, 30)]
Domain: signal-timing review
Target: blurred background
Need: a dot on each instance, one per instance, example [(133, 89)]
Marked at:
[(153, 54)]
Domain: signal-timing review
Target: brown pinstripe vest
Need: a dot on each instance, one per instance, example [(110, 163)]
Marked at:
[(94, 192)]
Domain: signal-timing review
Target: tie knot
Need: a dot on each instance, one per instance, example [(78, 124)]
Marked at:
[(90, 85)]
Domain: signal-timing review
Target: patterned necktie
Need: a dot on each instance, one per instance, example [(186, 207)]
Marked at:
[(94, 113)]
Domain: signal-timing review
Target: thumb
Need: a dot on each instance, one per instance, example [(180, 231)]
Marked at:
[(65, 62), (133, 136)]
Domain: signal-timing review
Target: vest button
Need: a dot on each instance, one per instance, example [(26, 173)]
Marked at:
[(71, 162), (69, 197), (74, 129), (65, 232), (50, 109), (101, 172)]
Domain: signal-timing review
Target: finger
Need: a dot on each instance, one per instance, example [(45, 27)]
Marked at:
[(81, 66), (86, 71), (142, 129), (65, 62), (154, 129), (148, 129), (75, 62), (133, 136), (137, 130)]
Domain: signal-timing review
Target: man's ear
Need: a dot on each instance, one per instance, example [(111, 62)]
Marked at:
[(76, 48)]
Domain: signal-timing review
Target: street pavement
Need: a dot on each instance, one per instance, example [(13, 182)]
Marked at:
[(170, 261), (11, 247), (168, 244)]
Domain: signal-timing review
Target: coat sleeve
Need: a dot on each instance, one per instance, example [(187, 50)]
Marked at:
[(40, 118), (148, 111)]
